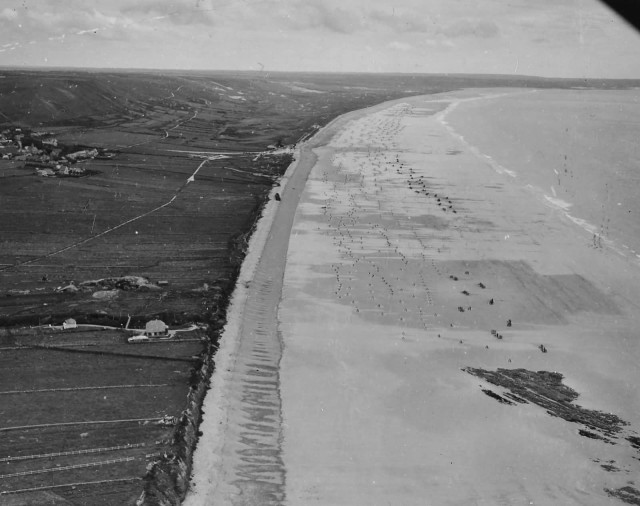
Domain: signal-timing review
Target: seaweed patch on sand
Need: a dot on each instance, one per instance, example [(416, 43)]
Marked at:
[(627, 494), (546, 390)]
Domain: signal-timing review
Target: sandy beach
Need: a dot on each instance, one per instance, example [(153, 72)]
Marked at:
[(379, 299)]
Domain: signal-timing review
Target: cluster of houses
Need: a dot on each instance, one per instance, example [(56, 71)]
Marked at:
[(41, 151)]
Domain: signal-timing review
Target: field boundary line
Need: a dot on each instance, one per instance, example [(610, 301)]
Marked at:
[(64, 424), (74, 389), (67, 468), (86, 240), (77, 484), (72, 452), (190, 179), (111, 353)]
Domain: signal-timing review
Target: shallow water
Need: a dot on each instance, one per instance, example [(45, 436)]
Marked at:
[(578, 149)]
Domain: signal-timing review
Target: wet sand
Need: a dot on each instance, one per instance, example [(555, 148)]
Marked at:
[(407, 249)]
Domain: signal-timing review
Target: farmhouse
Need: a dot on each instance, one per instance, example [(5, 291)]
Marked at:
[(45, 172), (69, 323), (155, 328), (85, 153)]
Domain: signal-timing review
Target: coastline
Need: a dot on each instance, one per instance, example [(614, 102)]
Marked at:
[(415, 269), (384, 277), (252, 327)]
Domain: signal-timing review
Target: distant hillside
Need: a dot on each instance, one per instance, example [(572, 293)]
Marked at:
[(106, 98)]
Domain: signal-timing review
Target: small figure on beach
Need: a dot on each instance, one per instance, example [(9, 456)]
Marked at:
[(491, 302), (277, 197), (542, 348), (508, 323)]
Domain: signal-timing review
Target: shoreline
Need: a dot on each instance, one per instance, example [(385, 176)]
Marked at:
[(378, 374), (414, 271), (259, 285)]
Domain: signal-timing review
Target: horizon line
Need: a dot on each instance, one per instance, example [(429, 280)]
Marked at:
[(53, 68)]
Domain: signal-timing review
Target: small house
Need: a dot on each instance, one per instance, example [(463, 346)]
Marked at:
[(155, 328), (69, 323)]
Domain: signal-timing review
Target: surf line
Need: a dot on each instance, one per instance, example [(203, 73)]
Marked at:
[(564, 207), (441, 118), (549, 201)]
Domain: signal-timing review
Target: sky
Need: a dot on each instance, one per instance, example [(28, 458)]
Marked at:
[(553, 38)]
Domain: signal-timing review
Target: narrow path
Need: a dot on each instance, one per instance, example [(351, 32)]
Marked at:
[(68, 468), (70, 485), (72, 452), (90, 422), (75, 389), (190, 179), (180, 123)]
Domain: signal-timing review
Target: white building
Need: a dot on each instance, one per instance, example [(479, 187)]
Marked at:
[(155, 328), (69, 323)]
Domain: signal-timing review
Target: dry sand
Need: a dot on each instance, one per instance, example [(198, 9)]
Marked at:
[(355, 394)]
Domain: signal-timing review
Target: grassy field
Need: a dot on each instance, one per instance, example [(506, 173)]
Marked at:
[(194, 164)]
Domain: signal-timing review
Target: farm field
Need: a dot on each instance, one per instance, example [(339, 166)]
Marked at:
[(158, 230)]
